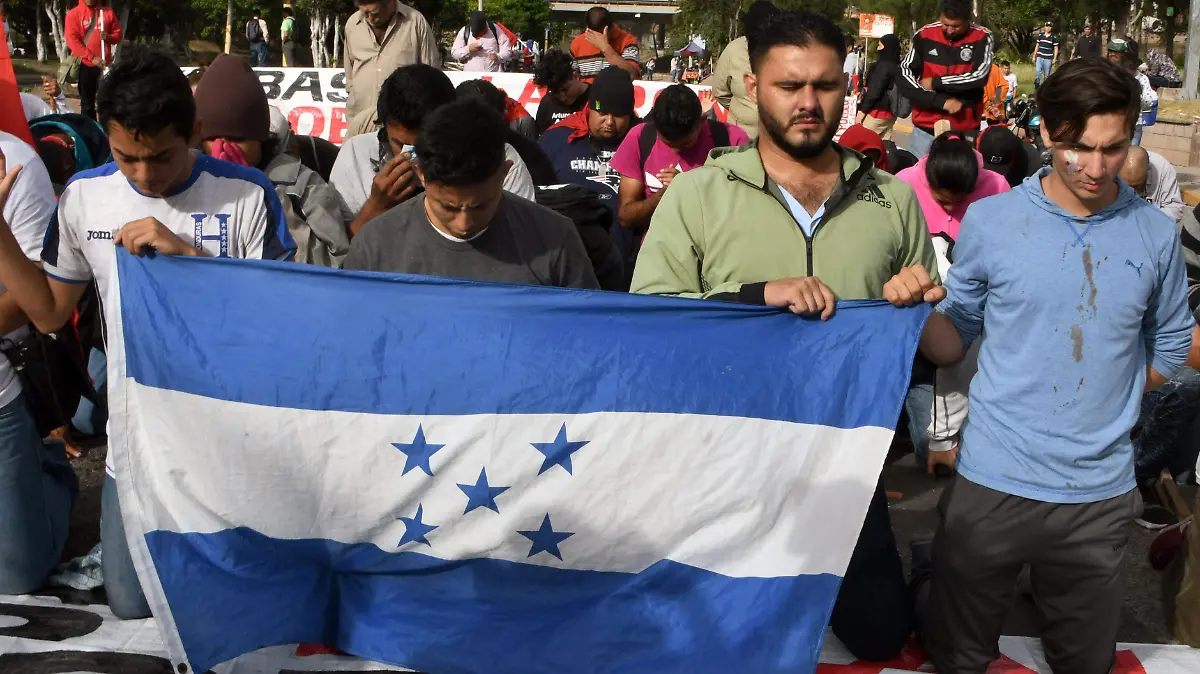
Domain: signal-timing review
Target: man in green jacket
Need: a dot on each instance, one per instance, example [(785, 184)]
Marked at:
[(795, 221)]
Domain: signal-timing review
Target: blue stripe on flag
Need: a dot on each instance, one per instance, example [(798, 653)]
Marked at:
[(235, 591), (309, 338)]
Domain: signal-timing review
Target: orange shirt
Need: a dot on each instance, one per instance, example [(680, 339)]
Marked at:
[(589, 60)]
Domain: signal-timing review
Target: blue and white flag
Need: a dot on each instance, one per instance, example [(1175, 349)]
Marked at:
[(470, 478)]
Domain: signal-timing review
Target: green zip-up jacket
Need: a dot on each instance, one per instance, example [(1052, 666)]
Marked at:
[(723, 231)]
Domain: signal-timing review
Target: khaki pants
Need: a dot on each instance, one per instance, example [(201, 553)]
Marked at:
[(883, 127), (1187, 600)]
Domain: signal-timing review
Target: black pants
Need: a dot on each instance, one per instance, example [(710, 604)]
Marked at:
[(89, 81), (1074, 551), (873, 615)]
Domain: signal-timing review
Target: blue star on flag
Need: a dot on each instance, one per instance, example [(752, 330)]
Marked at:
[(558, 453), (481, 494), (415, 529), (546, 539), (417, 452)]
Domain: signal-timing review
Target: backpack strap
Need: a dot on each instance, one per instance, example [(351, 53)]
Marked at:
[(646, 144), (719, 132)]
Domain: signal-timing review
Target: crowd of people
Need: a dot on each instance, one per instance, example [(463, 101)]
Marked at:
[(1079, 393)]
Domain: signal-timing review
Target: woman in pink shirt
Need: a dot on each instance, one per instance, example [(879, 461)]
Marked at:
[(948, 180)]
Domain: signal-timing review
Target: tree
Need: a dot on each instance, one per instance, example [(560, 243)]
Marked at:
[(322, 17), (720, 21), (54, 10), (528, 17)]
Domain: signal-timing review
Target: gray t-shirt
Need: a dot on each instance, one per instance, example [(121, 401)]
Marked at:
[(525, 244)]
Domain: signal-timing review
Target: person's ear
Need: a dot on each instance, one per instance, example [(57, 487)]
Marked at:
[(508, 164), (419, 171), (751, 82), (1045, 135)]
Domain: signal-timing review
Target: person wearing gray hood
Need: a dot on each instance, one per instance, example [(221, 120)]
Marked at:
[(237, 125), (316, 214)]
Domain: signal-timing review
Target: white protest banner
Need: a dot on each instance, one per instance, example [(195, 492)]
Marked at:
[(314, 99)]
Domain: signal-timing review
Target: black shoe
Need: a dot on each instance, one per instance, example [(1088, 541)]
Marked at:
[(1155, 517)]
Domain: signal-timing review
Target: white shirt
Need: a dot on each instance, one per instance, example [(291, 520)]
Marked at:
[(353, 171), (492, 42), (34, 107), (28, 211), (224, 209), (1012, 83), (808, 223)]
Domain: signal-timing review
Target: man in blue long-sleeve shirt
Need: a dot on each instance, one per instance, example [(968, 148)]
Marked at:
[(1082, 288)]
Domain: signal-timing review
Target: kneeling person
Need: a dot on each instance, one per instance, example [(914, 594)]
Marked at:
[(465, 225), (159, 195)]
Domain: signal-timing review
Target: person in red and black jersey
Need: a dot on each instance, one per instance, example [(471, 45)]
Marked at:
[(945, 72)]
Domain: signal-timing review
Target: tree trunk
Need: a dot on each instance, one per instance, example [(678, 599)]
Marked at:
[(168, 39), (54, 11), (317, 24), (1191, 67), (336, 56), (41, 37), (229, 27), (1168, 31)]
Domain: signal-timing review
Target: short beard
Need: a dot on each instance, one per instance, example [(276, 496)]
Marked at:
[(778, 133)]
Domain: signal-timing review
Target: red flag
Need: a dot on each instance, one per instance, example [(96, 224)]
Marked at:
[(12, 113)]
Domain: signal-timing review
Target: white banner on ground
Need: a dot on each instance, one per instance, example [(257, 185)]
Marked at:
[(42, 634), (314, 99)]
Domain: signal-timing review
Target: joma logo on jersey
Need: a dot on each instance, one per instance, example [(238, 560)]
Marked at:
[(213, 228), (874, 195), (99, 234)]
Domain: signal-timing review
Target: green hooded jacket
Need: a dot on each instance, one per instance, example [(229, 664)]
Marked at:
[(723, 230)]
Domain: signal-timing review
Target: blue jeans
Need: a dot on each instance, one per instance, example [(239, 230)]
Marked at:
[(88, 419), (919, 406), (919, 143), (258, 54), (1168, 413), (125, 596), (37, 490), (1042, 70)]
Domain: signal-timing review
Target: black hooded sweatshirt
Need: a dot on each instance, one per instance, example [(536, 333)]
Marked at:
[(882, 77)]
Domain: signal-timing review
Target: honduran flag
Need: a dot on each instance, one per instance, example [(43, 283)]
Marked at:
[(460, 477)]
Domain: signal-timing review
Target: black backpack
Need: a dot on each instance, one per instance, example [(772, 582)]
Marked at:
[(253, 31), (720, 136)]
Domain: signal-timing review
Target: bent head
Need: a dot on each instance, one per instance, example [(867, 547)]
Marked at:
[(678, 116), (146, 108), (1089, 111), (379, 13), (1136, 169), (955, 17), (463, 167), (952, 169)]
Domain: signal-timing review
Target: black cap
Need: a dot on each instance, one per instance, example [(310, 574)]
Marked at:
[(612, 92), (1000, 149)]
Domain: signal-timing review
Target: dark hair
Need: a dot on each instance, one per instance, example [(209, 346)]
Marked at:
[(756, 15), (952, 164), (796, 28), (1130, 62), (955, 9), (598, 18), (1005, 63), (145, 92), (1082, 88), (56, 157), (410, 93), (485, 92), (287, 11), (676, 112), (462, 145), (555, 70)]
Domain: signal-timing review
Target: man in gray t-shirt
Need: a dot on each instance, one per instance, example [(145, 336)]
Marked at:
[(465, 225)]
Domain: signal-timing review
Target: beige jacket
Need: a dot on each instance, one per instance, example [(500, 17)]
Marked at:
[(369, 61), (729, 86)]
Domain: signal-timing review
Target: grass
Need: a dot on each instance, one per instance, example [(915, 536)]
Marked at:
[(1179, 110)]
